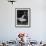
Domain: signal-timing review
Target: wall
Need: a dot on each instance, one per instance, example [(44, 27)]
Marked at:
[(8, 31)]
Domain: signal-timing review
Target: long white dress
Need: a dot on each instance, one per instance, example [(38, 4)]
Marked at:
[(22, 19)]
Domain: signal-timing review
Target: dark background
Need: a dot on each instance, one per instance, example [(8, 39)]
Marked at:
[(19, 14)]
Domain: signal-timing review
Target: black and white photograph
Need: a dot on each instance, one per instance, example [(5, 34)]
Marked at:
[(22, 17)]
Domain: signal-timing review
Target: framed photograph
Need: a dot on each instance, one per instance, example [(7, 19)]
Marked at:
[(22, 17)]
